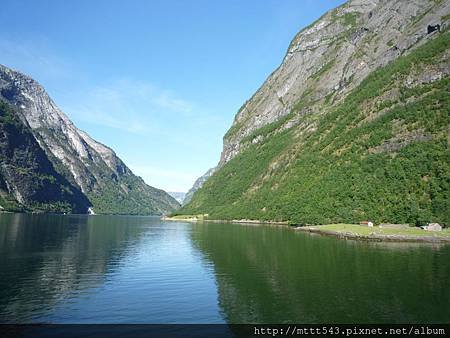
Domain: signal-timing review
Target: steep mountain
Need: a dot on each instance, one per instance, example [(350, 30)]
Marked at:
[(179, 196), (197, 185), (352, 125), (28, 180), (92, 167)]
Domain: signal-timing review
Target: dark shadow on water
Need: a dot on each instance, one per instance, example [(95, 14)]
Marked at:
[(276, 275)]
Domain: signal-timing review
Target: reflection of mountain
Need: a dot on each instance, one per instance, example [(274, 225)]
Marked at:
[(49, 257), (277, 275)]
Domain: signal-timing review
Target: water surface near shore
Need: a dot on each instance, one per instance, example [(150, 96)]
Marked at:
[(126, 269)]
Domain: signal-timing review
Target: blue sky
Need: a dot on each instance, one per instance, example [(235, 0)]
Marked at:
[(157, 81)]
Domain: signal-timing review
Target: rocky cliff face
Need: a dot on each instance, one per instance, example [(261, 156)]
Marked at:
[(94, 168), (179, 196), (329, 58), (28, 180), (353, 125)]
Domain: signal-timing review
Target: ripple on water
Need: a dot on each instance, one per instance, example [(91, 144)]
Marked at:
[(142, 270)]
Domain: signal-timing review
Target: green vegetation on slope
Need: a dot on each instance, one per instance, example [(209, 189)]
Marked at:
[(374, 158), (131, 197)]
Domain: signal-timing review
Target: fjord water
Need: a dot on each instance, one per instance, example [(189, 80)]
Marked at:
[(120, 269)]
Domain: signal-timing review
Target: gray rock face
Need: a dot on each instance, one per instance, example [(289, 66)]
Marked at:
[(28, 180), (331, 57), (197, 185), (179, 196), (55, 132), (86, 163)]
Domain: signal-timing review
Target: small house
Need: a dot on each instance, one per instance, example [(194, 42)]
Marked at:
[(433, 227)]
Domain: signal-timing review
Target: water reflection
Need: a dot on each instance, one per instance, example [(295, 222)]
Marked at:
[(116, 269), (276, 275), (44, 259), (80, 269)]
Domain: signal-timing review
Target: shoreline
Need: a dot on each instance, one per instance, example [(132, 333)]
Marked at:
[(374, 237), (239, 221), (432, 238)]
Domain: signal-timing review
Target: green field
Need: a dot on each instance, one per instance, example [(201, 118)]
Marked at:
[(367, 231)]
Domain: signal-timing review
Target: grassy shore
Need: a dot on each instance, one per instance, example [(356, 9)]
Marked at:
[(189, 218), (354, 231)]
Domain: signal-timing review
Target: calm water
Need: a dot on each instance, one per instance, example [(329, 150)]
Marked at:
[(116, 269)]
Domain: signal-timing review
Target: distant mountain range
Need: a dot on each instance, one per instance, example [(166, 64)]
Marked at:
[(353, 125), (179, 196), (48, 165)]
